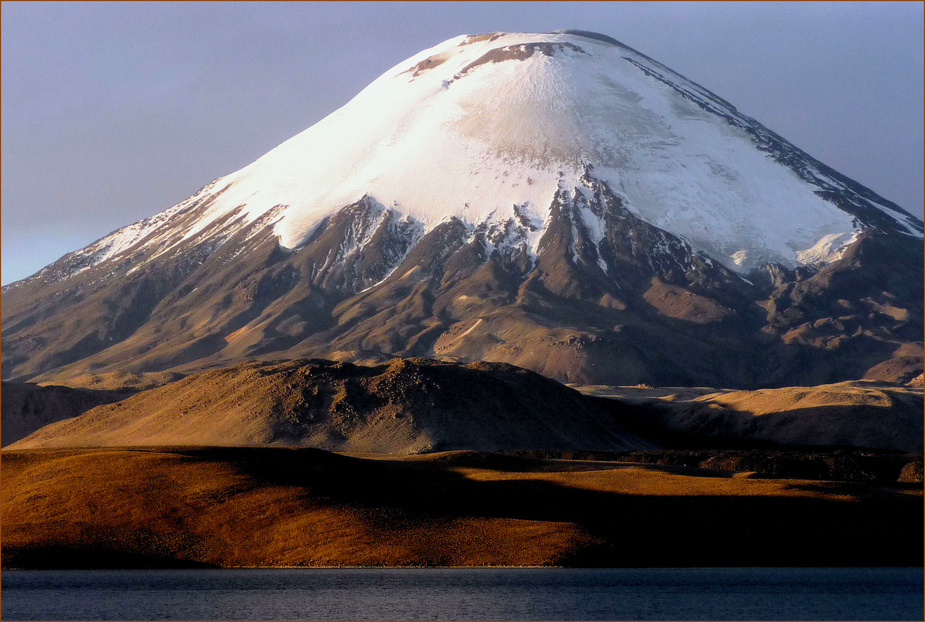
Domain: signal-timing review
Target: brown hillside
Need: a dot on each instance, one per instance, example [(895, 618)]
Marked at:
[(861, 414), (119, 380), (405, 406), (305, 507)]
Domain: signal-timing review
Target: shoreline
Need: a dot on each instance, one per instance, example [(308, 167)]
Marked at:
[(347, 567)]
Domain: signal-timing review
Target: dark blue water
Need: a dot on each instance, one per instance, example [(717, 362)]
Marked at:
[(466, 594)]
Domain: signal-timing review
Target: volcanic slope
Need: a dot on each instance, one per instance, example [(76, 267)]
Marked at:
[(556, 201), (406, 406)]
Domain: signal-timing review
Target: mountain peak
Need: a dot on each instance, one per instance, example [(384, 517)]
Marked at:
[(481, 123), (483, 185)]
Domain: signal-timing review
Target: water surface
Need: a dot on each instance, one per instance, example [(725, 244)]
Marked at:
[(467, 594)]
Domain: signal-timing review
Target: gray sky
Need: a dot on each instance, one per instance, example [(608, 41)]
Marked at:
[(112, 112)]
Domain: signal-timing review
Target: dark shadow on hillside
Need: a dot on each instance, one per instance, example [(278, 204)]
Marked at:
[(706, 425), (89, 557), (650, 529)]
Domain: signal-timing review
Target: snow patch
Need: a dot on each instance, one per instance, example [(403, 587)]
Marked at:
[(828, 249), (739, 257)]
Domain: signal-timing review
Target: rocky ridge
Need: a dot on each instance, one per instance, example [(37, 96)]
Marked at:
[(406, 406)]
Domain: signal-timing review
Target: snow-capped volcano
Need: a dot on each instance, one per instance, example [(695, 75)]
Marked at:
[(477, 125), (566, 160)]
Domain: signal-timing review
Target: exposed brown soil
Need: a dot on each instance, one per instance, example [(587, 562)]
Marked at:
[(428, 63), (294, 507), (519, 52), (490, 36), (405, 406)]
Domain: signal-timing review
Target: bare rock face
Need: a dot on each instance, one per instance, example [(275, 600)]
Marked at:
[(556, 201), (405, 406)]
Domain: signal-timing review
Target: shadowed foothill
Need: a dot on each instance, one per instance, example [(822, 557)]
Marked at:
[(293, 507)]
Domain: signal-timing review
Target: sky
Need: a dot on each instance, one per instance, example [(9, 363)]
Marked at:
[(113, 112)]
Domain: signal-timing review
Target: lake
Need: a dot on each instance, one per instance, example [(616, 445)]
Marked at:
[(466, 594)]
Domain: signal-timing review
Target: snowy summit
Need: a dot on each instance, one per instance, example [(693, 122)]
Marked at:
[(480, 124), (556, 201)]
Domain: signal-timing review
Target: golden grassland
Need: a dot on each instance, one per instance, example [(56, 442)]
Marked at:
[(234, 507)]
